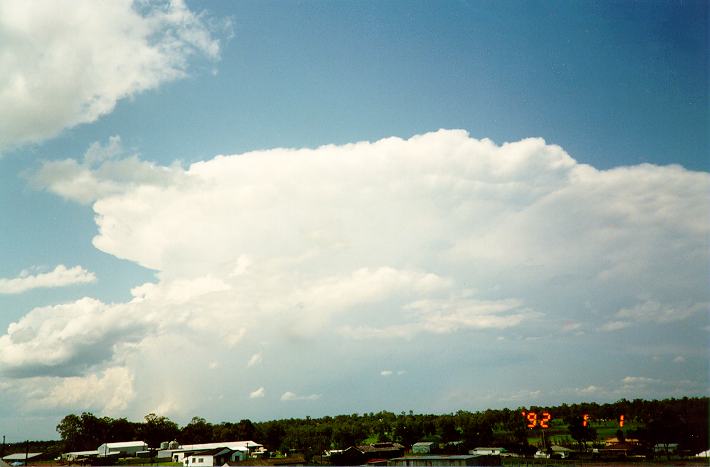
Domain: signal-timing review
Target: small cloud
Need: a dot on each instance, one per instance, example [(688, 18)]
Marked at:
[(401, 372), (570, 326), (213, 365), (638, 381), (291, 396), (61, 276), (386, 372), (254, 360), (679, 359), (591, 389), (615, 326), (258, 393)]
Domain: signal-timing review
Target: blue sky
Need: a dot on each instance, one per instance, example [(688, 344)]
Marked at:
[(570, 264)]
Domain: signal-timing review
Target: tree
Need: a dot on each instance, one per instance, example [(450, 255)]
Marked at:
[(158, 428), (579, 432), (197, 431)]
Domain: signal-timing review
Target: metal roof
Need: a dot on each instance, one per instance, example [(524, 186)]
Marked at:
[(434, 457), (20, 456), (233, 445), (126, 444)]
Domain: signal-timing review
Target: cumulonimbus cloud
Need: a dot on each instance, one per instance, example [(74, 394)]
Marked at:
[(68, 62), (433, 235)]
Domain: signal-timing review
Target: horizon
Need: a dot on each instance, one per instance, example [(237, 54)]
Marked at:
[(263, 210)]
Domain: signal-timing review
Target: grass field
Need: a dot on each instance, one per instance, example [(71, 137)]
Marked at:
[(558, 433)]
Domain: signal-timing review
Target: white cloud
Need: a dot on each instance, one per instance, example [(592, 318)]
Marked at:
[(679, 359), (444, 316), (386, 372), (638, 381), (259, 393), (254, 360), (653, 311), (615, 325), (105, 170), (110, 392), (437, 235), (290, 396), (68, 62), (61, 276), (68, 338)]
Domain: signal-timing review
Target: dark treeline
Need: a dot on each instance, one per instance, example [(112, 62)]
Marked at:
[(683, 421)]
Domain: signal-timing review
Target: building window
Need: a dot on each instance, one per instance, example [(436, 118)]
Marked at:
[(200, 460)]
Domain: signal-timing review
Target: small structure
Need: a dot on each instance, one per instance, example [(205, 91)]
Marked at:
[(486, 451), (76, 456), (666, 449), (359, 455), (180, 453), (21, 457), (215, 457), (423, 447), (122, 449)]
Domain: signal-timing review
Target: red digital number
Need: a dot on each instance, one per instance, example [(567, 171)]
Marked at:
[(532, 419), (621, 421), (585, 419)]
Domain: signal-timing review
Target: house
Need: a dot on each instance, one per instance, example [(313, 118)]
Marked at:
[(179, 454), (122, 449), (444, 460), (358, 455), (665, 449), (76, 456), (423, 447), (215, 457)]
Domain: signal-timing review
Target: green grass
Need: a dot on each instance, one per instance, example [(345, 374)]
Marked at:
[(558, 433)]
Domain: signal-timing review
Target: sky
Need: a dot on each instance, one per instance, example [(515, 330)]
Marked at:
[(262, 209)]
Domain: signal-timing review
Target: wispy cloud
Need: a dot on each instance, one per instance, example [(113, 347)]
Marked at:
[(290, 396), (254, 360), (60, 276), (257, 394)]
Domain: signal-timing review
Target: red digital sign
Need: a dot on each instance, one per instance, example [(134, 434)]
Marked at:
[(534, 420)]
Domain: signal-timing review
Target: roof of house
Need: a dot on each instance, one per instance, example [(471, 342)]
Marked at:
[(82, 453), (423, 443), (437, 457), (125, 444), (233, 445), (211, 452), (20, 456), (379, 447)]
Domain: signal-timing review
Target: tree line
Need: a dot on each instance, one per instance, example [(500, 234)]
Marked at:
[(683, 421)]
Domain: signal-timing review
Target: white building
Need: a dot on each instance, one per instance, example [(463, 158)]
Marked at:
[(486, 451), (215, 457), (179, 455), (75, 455), (122, 449)]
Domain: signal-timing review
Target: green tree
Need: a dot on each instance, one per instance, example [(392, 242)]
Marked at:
[(580, 433), (158, 428)]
